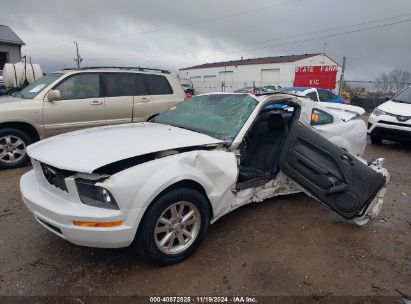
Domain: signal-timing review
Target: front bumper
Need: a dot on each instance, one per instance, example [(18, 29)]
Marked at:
[(388, 127), (57, 213)]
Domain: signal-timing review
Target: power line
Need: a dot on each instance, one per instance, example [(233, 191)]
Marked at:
[(277, 38), (298, 41), (333, 35), (377, 60), (305, 34), (203, 21)]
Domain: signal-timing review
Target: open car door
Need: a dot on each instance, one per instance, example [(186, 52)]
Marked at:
[(329, 173)]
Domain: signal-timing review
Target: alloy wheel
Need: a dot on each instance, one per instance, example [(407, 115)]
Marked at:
[(12, 149), (177, 227)]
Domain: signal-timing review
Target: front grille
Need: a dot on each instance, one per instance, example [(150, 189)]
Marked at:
[(393, 134), (394, 123), (56, 177), (402, 118)]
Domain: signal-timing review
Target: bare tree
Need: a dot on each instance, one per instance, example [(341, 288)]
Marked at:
[(394, 82), (383, 83), (400, 79)]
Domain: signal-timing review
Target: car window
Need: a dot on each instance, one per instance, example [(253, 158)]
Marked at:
[(140, 85), (34, 88), (119, 84), (404, 96), (319, 117), (332, 95), (326, 95), (80, 86), (158, 85), (312, 95), (323, 95)]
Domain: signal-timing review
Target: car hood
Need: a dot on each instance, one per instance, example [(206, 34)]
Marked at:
[(396, 108), (6, 100), (90, 149), (343, 111)]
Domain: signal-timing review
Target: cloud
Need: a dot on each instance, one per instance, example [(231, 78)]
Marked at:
[(180, 33)]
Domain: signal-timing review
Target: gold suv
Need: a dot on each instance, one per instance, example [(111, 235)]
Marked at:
[(81, 98)]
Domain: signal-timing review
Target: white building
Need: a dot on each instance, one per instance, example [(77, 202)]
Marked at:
[(312, 70)]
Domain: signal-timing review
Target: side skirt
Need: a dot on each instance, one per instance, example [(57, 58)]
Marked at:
[(281, 185)]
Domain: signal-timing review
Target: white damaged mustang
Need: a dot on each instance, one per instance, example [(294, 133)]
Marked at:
[(158, 185)]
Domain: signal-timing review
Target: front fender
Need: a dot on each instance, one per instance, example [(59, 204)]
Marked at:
[(215, 171), (348, 135), (29, 112)]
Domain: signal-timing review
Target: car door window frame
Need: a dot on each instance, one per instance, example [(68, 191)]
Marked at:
[(332, 95), (313, 92), (321, 93), (101, 88), (146, 80), (329, 173), (104, 83), (143, 82)]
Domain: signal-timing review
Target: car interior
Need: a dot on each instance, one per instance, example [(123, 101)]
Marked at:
[(260, 149)]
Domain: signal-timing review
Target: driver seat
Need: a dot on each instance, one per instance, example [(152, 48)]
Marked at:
[(263, 146)]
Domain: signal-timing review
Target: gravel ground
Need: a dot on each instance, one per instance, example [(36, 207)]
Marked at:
[(284, 246)]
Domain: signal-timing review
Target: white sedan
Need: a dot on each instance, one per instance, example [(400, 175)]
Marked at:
[(346, 128), (165, 181)]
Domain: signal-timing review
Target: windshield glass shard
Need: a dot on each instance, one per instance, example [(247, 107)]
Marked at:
[(218, 115)]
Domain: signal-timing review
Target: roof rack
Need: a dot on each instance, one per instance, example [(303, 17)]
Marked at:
[(122, 68)]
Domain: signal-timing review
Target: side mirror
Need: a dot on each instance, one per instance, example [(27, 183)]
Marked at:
[(53, 95)]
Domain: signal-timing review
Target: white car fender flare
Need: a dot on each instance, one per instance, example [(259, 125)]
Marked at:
[(215, 171)]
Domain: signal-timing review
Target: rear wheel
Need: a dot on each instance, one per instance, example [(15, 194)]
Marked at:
[(13, 144), (376, 140), (174, 227)]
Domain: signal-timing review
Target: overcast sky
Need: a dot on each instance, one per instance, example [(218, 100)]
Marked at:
[(180, 33)]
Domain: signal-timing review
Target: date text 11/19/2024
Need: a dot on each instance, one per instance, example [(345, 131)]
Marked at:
[(203, 299)]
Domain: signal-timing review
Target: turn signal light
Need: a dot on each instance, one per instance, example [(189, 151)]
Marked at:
[(314, 117), (98, 224)]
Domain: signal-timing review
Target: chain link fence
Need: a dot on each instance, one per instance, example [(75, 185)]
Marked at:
[(371, 94)]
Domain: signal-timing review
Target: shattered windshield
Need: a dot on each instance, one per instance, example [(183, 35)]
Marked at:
[(218, 115)]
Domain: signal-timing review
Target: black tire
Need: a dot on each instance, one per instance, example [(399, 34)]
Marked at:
[(15, 133), (145, 243), (376, 140)]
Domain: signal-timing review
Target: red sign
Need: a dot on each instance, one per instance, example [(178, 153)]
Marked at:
[(324, 77)]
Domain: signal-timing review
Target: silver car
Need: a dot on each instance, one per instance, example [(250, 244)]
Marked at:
[(81, 98)]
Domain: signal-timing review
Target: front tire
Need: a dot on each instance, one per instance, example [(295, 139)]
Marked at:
[(174, 227), (376, 140), (13, 144)]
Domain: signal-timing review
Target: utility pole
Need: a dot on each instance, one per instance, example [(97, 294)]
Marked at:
[(340, 87), (78, 58), (325, 48)]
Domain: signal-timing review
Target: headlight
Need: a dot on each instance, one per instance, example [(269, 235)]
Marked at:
[(379, 112), (96, 196)]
